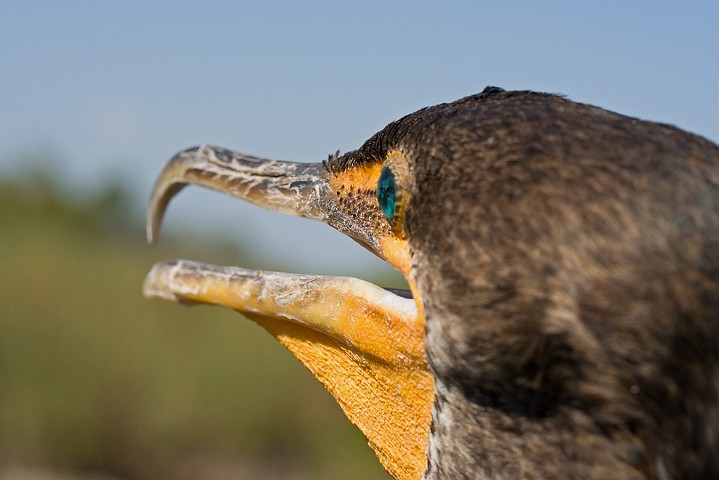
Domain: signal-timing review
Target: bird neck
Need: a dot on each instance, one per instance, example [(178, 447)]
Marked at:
[(494, 443)]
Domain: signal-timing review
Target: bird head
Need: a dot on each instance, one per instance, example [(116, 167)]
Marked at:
[(562, 264)]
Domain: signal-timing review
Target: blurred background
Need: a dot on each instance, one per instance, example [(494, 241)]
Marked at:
[(97, 382)]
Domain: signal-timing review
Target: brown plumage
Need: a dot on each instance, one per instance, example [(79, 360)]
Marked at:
[(568, 261)]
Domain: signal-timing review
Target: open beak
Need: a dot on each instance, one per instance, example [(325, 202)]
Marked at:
[(363, 342)]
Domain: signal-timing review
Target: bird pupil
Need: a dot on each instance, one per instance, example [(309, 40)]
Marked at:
[(387, 193)]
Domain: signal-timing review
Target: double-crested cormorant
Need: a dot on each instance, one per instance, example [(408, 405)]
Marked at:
[(563, 262)]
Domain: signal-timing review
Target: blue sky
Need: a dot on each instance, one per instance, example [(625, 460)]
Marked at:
[(116, 88)]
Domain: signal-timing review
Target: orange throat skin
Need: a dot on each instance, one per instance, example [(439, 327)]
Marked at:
[(365, 344)]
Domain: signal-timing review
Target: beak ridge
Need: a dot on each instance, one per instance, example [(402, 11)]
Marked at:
[(288, 187)]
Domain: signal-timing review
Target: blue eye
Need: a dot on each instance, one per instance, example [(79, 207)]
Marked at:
[(387, 193)]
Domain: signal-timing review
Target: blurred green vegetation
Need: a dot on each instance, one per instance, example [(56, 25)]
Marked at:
[(98, 382)]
